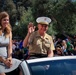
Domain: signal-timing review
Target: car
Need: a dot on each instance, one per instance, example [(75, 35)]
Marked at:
[(61, 65)]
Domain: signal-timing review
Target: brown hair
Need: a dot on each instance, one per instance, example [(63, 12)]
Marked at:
[(8, 27)]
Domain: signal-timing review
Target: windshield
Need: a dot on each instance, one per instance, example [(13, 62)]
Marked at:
[(58, 67)]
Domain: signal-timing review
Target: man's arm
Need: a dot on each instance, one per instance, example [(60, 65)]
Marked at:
[(25, 42), (31, 29), (50, 53)]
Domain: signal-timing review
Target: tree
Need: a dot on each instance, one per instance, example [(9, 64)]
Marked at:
[(61, 12), (21, 29)]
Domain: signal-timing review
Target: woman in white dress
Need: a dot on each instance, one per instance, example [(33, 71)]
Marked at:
[(7, 63)]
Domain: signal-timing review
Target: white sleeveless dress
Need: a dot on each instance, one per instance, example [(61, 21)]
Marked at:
[(3, 52)]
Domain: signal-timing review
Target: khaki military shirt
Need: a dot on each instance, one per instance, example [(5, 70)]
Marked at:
[(40, 45)]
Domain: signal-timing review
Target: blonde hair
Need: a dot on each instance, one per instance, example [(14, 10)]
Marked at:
[(8, 27)]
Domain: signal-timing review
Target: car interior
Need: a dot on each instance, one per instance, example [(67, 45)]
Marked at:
[(15, 72)]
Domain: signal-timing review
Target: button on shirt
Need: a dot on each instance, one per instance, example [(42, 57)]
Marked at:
[(40, 45)]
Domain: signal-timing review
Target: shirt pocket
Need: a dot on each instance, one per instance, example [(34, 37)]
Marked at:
[(46, 44)]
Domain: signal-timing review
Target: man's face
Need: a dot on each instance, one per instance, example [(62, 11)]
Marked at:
[(42, 27)]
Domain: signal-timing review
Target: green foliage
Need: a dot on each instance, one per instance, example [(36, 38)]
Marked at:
[(51, 30), (62, 13), (23, 23)]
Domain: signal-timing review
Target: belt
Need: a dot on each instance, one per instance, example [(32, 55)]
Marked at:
[(38, 55)]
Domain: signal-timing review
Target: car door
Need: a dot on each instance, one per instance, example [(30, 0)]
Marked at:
[(53, 67), (24, 68)]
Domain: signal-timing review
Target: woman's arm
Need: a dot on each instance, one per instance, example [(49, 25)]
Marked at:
[(2, 59), (8, 61), (10, 46)]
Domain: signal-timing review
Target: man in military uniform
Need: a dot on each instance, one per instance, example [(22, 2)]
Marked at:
[(39, 42)]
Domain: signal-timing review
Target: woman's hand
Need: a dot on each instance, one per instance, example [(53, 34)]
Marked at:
[(8, 62), (31, 27)]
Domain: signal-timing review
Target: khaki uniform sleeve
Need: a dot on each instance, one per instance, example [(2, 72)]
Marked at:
[(52, 45), (30, 41)]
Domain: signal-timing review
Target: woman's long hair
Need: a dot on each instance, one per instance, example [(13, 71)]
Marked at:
[(8, 27)]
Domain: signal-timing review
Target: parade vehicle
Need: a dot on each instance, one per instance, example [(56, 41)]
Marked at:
[(61, 65)]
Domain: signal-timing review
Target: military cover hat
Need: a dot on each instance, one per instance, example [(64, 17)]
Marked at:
[(43, 20)]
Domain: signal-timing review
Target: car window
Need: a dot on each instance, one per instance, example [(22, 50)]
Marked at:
[(58, 67)]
